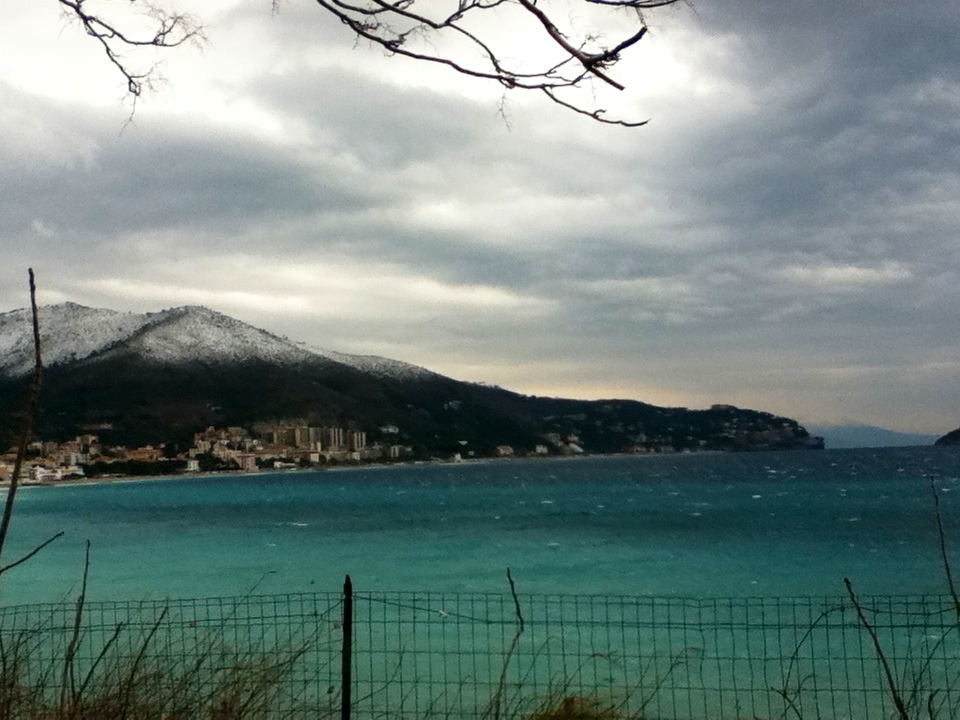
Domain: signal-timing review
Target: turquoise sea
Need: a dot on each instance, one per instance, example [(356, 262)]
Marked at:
[(735, 525)]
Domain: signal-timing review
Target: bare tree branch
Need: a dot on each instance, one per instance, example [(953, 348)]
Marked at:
[(26, 427), (168, 30), (592, 63), (68, 686), (597, 114), (635, 4), (33, 552), (417, 28), (881, 655), (493, 711)]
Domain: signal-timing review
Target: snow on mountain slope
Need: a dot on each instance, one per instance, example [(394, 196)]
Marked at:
[(71, 332), (380, 366), (194, 333), (67, 332)]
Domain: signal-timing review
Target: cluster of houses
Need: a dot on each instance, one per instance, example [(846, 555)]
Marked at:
[(51, 461), (283, 446), (278, 447)]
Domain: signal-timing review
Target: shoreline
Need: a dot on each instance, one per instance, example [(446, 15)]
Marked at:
[(111, 479), (103, 480)]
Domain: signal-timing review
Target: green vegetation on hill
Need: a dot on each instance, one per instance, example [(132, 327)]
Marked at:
[(185, 369), (128, 401)]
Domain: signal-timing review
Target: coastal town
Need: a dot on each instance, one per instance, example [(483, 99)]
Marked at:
[(290, 446), (277, 447), (192, 390)]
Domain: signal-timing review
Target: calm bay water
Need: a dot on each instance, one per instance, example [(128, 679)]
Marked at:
[(695, 525)]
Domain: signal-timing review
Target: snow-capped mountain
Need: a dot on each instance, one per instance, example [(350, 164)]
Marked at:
[(160, 377), (67, 332), (378, 366), (188, 334), (195, 334)]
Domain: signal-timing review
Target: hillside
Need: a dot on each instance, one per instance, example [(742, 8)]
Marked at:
[(951, 438), (161, 376)]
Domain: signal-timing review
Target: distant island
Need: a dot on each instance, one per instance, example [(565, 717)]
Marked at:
[(865, 436), (150, 387)]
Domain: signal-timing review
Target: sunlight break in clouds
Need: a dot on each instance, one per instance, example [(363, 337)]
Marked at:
[(306, 291), (839, 277)]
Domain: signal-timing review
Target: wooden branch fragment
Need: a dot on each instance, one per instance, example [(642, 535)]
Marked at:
[(26, 427)]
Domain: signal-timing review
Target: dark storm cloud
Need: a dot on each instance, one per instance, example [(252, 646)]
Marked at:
[(783, 233), (795, 223), (835, 170), (153, 178), (359, 115)]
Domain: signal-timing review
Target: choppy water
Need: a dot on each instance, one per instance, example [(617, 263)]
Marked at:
[(710, 525)]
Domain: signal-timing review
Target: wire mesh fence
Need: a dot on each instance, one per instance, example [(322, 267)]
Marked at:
[(500, 656), (265, 656), (652, 657)]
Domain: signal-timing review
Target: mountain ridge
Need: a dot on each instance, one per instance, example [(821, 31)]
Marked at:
[(16, 356), (161, 376)]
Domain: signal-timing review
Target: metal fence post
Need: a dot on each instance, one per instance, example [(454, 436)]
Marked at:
[(346, 658)]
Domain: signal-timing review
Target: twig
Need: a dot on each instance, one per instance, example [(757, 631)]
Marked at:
[(30, 554), (501, 683), (943, 546), (96, 663), (891, 683), (169, 31), (677, 661), (413, 30), (132, 675), (785, 692), (68, 673), (27, 427)]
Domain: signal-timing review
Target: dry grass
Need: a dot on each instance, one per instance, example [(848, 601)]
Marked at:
[(577, 707), (207, 682)]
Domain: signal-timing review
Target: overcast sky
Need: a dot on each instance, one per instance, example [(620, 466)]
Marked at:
[(783, 235)]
